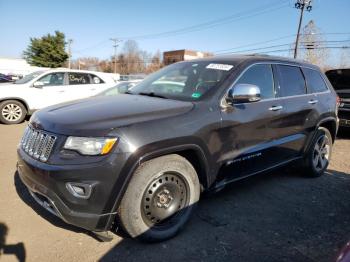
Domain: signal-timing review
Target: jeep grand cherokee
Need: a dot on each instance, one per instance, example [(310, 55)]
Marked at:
[(142, 159)]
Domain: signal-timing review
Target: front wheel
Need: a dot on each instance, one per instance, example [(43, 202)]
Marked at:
[(160, 198), (12, 112), (317, 159)]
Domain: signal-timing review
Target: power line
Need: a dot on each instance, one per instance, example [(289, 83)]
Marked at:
[(287, 44), (213, 23), (304, 48), (224, 51), (232, 18)]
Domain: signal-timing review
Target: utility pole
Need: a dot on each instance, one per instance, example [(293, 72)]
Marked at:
[(70, 41), (115, 45), (301, 4)]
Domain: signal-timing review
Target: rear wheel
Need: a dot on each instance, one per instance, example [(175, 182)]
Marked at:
[(318, 157), (159, 199), (12, 112)]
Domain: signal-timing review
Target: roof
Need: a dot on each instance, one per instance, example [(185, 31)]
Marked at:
[(107, 77), (254, 58)]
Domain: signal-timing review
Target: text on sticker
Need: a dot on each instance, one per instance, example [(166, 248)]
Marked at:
[(220, 67)]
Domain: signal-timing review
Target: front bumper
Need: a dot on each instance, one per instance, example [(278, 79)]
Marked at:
[(47, 184)]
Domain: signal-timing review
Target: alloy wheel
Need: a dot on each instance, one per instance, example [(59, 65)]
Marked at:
[(321, 153), (11, 112)]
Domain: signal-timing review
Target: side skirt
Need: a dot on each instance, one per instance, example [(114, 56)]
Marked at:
[(221, 184)]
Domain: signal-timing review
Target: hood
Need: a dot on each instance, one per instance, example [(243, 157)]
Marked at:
[(97, 116), (12, 90)]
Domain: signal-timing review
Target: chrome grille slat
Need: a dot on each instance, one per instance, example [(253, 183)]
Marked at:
[(38, 144)]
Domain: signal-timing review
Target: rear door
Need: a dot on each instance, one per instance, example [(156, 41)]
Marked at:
[(97, 85), (300, 115), (79, 85), (248, 128)]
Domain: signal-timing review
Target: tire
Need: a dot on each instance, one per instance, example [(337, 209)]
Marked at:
[(12, 112), (160, 198), (322, 146)]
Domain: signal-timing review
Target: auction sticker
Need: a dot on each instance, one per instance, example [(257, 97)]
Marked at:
[(223, 67)]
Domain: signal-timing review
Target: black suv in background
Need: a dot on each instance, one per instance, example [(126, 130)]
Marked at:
[(340, 80), (143, 158)]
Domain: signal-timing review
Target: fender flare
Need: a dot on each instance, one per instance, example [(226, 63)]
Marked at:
[(18, 99), (138, 160)]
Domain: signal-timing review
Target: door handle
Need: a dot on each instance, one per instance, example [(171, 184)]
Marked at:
[(275, 108), (312, 102)]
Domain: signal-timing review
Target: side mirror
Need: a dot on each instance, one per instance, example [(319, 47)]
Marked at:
[(243, 93), (38, 84)]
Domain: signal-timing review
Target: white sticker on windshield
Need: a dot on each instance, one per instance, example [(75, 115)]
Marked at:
[(220, 67)]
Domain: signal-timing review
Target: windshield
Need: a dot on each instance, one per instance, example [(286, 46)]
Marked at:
[(186, 81), (29, 77), (340, 79)]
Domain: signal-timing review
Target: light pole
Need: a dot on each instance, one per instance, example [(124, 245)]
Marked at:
[(301, 4), (115, 45), (70, 41)]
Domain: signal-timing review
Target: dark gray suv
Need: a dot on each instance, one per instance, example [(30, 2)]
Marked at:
[(142, 159)]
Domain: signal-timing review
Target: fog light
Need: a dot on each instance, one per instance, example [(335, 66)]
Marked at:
[(79, 190)]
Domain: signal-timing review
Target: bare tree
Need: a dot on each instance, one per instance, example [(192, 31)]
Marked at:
[(131, 60), (344, 59), (156, 63), (312, 45)]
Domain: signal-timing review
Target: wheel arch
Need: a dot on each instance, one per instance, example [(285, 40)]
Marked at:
[(21, 100), (331, 124), (192, 152)]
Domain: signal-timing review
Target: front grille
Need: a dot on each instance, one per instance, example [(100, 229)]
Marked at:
[(37, 144), (344, 103)]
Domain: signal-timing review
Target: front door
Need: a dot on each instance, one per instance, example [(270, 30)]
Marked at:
[(53, 91)]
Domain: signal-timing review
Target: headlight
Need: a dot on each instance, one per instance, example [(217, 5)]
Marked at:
[(89, 145)]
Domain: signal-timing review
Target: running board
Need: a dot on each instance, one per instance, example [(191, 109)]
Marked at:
[(221, 184)]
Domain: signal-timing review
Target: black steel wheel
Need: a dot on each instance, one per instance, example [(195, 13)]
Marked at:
[(163, 199), (159, 199)]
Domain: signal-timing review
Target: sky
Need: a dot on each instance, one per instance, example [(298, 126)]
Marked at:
[(91, 23)]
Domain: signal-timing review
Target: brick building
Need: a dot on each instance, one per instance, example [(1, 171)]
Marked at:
[(174, 56)]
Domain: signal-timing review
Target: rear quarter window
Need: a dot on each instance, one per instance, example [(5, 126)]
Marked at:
[(291, 80), (314, 81), (78, 79), (96, 80)]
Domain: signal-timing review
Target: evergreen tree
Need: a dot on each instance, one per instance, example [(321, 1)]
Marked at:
[(47, 51)]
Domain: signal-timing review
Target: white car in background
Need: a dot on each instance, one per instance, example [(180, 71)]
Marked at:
[(44, 88), (120, 88)]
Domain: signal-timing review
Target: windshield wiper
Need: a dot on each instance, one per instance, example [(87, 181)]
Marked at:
[(152, 94)]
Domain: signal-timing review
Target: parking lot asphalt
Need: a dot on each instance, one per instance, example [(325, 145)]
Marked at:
[(279, 216)]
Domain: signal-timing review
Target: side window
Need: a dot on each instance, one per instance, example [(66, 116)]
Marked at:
[(96, 79), (53, 79), (78, 79), (314, 81), (291, 80), (261, 76)]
